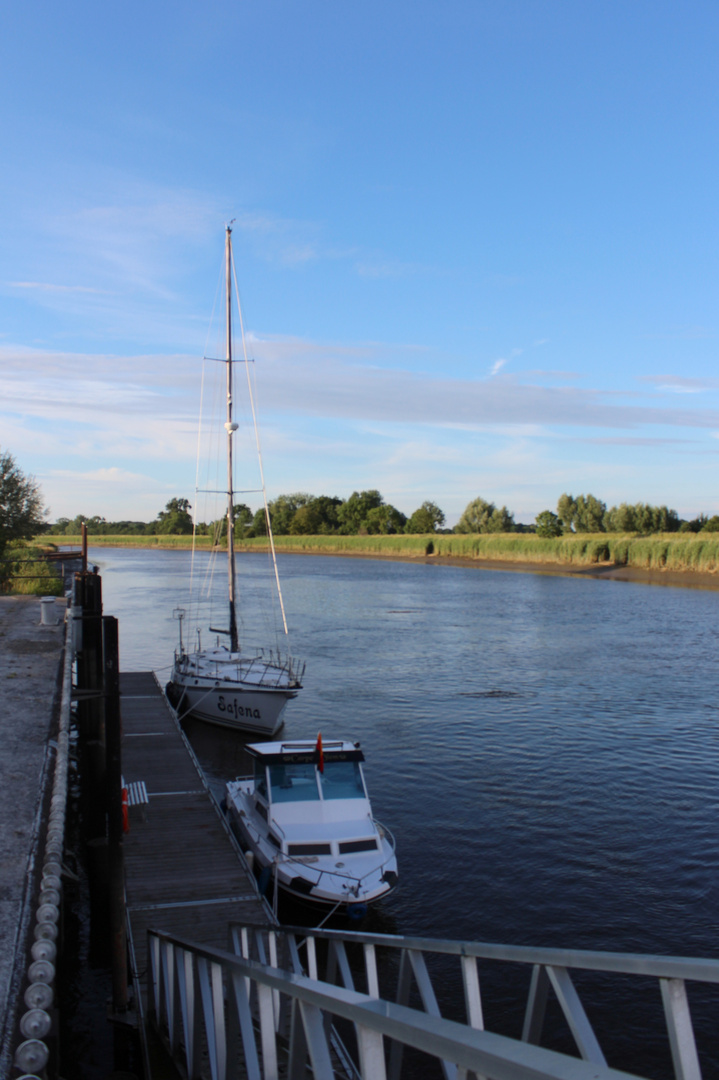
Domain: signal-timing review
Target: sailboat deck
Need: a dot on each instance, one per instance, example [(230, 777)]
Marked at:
[(184, 874)]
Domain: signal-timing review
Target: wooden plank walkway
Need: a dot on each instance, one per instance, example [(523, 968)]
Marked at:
[(183, 873)]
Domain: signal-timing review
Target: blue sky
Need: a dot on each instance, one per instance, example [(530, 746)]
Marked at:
[(476, 242)]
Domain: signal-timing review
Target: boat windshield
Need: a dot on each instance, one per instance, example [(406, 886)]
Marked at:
[(294, 781), (342, 780)]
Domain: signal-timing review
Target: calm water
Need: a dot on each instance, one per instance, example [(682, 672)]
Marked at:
[(545, 749)]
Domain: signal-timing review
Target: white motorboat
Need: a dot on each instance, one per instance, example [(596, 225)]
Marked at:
[(306, 818), (226, 684)]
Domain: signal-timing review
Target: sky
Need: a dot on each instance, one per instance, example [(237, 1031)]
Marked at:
[(476, 243)]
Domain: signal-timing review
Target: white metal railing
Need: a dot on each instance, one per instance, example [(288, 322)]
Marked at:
[(267, 1006)]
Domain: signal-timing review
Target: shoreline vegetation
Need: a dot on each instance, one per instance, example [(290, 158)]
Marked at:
[(676, 558)]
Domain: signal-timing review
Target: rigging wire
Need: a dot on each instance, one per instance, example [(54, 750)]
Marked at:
[(259, 452)]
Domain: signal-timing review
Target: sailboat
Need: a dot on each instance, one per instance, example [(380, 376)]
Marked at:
[(225, 684)]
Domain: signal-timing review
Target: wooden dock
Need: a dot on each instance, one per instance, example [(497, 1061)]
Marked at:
[(184, 874)]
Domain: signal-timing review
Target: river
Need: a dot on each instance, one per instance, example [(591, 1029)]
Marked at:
[(545, 749)]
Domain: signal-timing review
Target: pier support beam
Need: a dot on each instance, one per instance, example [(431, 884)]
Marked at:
[(113, 740)]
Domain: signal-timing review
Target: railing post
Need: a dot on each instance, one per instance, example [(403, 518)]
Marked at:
[(404, 980), (536, 1006), (681, 1031)]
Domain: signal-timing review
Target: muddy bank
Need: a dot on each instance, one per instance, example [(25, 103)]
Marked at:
[(688, 579)]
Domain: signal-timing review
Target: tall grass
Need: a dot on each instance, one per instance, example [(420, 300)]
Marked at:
[(23, 572), (665, 551)]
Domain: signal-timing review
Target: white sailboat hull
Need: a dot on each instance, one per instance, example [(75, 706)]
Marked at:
[(227, 689)]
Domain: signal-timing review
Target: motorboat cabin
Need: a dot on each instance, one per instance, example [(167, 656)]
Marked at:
[(306, 817)]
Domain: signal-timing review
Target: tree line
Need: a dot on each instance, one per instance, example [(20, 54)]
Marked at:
[(588, 514), (366, 513), (23, 515)]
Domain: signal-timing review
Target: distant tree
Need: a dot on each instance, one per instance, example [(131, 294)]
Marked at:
[(352, 514), (22, 513), (306, 521), (621, 518), (711, 525), (427, 518), (259, 523), (326, 507), (175, 518), (695, 525), (481, 516), (283, 509), (548, 524), (642, 518), (583, 514), (243, 519), (384, 519)]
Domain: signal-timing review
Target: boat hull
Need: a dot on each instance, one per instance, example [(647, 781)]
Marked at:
[(250, 709)]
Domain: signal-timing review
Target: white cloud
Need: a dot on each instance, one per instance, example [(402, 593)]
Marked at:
[(680, 384), (43, 286)]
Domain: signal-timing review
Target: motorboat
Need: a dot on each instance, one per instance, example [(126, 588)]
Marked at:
[(306, 820)]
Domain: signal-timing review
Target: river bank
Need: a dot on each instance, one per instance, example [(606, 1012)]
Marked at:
[(685, 559)]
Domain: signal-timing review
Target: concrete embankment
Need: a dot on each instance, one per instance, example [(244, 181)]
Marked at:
[(31, 671)]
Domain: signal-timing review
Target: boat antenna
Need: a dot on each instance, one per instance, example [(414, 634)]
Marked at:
[(230, 428)]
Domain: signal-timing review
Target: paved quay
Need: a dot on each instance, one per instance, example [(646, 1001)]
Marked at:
[(30, 690)]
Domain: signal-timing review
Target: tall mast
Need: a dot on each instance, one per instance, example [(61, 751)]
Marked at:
[(230, 428)]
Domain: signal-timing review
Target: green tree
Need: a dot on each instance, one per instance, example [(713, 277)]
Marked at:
[(283, 509), (583, 514), (480, 516), (326, 508), (175, 518), (384, 519), (621, 518), (306, 521), (22, 513), (426, 519), (548, 524), (642, 518), (695, 525), (352, 514), (243, 519), (259, 523)]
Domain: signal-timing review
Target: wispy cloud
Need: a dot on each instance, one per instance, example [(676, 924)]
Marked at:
[(44, 286), (139, 396), (680, 384), (500, 363)]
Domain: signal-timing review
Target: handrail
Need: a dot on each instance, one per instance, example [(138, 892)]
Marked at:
[(550, 971), (233, 996), (660, 967)]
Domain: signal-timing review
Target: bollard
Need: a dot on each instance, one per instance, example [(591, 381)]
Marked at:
[(47, 611)]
